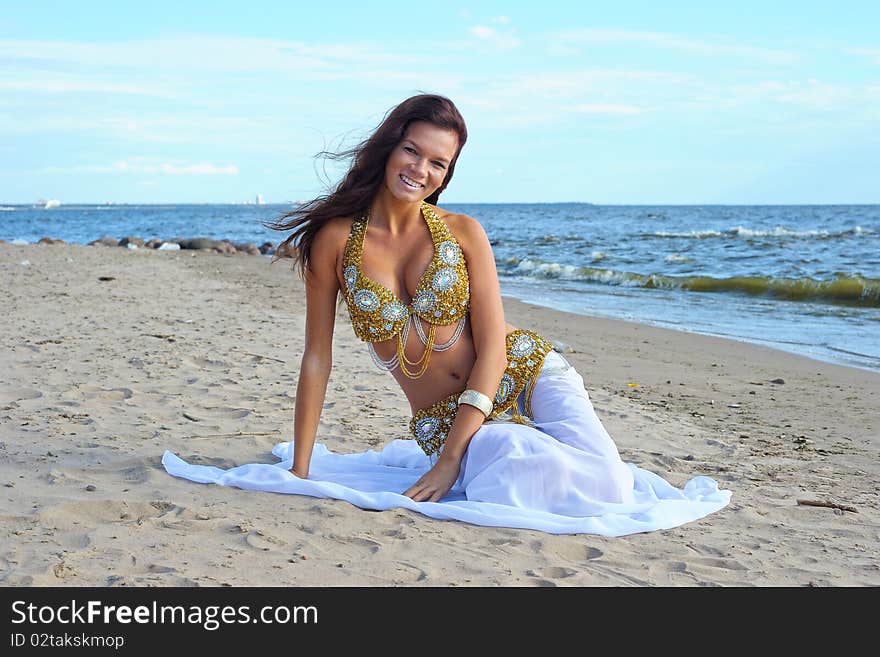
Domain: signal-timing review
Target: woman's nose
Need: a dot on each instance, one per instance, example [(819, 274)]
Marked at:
[(421, 165)]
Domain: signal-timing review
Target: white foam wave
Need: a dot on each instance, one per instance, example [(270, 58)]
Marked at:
[(694, 233), (539, 269), (777, 231)]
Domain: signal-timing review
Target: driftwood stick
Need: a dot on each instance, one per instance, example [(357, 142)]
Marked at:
[(830, 505), (277, 360)]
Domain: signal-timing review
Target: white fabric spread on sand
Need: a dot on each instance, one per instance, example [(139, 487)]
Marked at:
[(564, 476)]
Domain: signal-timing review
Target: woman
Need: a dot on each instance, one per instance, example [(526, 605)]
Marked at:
[(503, 429)]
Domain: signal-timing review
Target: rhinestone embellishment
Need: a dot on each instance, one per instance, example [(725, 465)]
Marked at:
[(366, 300), (351, 276), (448, 251), (427, 427), (523, 346), (444, 279), (424, 301), (504, 389), (394, 311)]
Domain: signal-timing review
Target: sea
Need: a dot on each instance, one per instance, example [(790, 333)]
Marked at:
[(801, 278)]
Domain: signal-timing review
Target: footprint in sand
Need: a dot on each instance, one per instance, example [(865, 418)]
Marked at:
[(552, 572), (369, 545), (15, 393), (204, 363), (200, 459), (136, 474), (225, 412), (663, 460), (164, 578), (58, 476), (260, 540), (400, 533), (725, 564), (322, 510), (159, 568), (405, 572), (90, 393), (594, 553)]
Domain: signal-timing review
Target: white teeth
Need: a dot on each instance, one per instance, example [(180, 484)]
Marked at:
[(410, 182)]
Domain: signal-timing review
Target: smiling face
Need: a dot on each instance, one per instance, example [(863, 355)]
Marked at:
[(417, 166)]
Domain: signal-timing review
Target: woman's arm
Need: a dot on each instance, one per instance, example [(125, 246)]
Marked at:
[(489, 331), (487, 327), (322, 288)]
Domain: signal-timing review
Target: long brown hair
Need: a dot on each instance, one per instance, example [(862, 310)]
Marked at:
[(354, 194)]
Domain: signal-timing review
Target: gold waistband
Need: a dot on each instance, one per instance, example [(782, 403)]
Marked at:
[(526, 351)]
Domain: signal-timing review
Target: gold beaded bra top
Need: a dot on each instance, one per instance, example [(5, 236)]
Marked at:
[(441, 297)]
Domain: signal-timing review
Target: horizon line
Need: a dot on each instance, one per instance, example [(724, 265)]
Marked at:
[(287, 203)]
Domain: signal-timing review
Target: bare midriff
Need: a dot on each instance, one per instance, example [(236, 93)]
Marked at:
[(448, 371)]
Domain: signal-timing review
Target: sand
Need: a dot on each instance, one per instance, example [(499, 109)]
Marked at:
[(198, 353)]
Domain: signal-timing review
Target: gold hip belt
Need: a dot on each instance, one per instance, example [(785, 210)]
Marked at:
[(525, 356)]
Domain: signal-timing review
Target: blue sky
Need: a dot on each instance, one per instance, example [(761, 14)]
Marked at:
[(628, 102)]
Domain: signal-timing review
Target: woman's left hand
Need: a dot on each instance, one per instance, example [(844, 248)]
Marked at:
[(436, 482)]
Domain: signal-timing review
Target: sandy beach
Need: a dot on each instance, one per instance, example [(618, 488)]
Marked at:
[(111, 356)]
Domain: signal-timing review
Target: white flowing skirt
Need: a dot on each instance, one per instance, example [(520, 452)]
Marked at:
[(562, 476)]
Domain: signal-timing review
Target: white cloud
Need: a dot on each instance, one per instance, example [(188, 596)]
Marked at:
[(494, 38), (76, 86), (569, 38), (607, 108), (197, 52), (809, 94), (617, 87), (870, 53), (140, 167)]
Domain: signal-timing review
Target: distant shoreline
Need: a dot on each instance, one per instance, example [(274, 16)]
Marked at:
[(79, 204)]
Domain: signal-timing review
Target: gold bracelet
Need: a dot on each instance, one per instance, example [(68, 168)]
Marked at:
[(476, 399)]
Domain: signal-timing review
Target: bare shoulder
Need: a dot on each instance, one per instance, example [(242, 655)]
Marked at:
[(329, 242), (331, 237), (334, 230), (463, 226)]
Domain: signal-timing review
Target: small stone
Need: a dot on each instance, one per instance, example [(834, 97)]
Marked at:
[(91, 487), (779, 381)]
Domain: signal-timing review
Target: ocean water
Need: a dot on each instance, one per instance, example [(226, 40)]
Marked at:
[(805, 279)]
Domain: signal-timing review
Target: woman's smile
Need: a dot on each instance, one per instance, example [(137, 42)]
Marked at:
[(409, 182)]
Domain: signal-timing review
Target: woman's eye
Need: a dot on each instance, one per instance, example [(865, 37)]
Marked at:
[(439, 165), (409, 150)]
